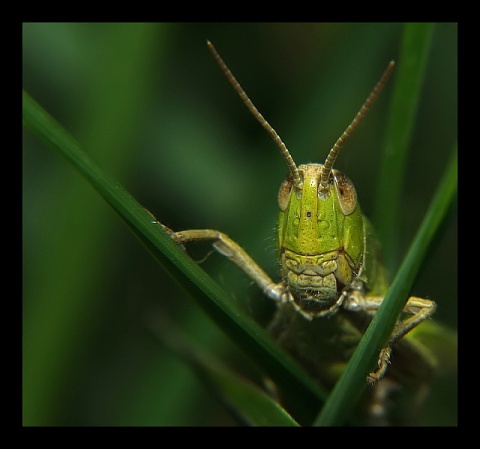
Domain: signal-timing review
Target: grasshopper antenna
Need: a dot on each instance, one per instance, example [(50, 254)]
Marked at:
[(259, 117), (327, 166)]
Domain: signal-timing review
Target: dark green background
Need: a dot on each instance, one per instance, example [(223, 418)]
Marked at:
[(151, 107)]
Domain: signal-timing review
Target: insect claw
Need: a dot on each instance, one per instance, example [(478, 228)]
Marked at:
[(383, 362)]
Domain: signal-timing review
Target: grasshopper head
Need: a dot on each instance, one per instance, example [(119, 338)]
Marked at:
[(320, 237)]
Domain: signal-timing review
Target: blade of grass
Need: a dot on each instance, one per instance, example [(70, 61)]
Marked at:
[(252, 405), (247, 401), (66, 231), (305, 394), (352, 382), (409, 76)]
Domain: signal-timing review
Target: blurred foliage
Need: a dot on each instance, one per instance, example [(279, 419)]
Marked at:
[(150, 105)]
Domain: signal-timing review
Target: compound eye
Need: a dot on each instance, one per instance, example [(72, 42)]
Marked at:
[(284, 193), (346, 193)]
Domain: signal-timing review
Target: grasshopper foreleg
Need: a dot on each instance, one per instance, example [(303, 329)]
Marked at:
[(228, 248), (419, 308)]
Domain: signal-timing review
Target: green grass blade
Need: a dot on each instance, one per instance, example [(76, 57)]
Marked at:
[(239, 327), (250, 404), (409, 76), (352, 381)]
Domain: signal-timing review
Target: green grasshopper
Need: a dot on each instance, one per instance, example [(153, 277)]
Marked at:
[(332, 281)]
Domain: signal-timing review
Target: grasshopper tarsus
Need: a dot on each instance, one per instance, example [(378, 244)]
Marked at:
[(383, 362)]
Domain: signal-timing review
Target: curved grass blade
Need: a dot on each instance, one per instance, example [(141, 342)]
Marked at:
[(247, 402), (301, 391), (352, 381)]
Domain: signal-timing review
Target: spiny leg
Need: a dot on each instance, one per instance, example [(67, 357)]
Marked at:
[(228, 248), (419, 308)]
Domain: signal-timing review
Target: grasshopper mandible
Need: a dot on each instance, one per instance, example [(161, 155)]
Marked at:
[(331, 278)]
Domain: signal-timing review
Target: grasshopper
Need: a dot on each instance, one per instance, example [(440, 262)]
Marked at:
[(332, 282)]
